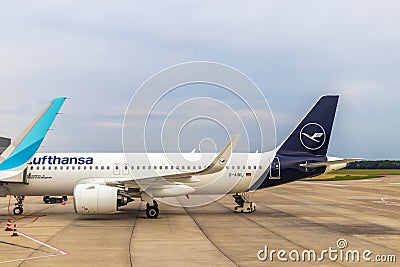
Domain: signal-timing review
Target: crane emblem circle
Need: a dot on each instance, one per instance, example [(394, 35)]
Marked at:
[(312, 136)]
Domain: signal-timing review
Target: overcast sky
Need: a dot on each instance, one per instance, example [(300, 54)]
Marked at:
[(98, 53)]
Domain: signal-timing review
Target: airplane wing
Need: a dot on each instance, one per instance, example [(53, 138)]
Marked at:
[(25, 146), (172, 185), (216, 165)]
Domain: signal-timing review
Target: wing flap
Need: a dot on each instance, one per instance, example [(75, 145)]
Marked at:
[(170, 190)]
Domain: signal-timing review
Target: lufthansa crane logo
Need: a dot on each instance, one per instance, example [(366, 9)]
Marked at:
[(312, 136)]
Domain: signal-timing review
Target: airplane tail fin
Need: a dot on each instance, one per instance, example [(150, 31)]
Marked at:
[(25, 146), (311, 136)]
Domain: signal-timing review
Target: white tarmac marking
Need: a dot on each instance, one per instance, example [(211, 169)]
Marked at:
[(59, 251), (372, 180), (326, 184), (387, 202), (358, 205)]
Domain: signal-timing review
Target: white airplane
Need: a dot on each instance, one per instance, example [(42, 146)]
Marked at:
[(103, 182)]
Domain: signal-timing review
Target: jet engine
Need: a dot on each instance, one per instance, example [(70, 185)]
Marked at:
[(98, 199)]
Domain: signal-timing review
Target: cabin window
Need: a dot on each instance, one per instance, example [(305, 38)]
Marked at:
[(44, 168), (177, 167), (73, 167), (84, 167), (260, 167), (102, 167), (108, 167), (166, 167), (126, 167), (249, 167), (79, 167), (55, 168), (254, 167), (227, 167), (61, 167), (90, 167), (149, 167), (49, 167), (97, 167), (67, 167), (31, 167)]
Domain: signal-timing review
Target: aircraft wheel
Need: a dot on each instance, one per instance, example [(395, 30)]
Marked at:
[(152, 212), (18, 210)]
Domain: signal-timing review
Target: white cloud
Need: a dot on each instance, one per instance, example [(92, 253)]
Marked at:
[(106, 124)]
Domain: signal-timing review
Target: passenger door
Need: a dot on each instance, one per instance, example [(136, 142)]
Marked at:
[(275, 169)]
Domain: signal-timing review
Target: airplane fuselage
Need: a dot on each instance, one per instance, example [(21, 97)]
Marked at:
[(58, 173)]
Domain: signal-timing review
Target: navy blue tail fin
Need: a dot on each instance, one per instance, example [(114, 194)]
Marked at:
[(311, 136)]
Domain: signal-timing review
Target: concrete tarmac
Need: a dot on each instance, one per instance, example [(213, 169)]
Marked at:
[(297, 218)]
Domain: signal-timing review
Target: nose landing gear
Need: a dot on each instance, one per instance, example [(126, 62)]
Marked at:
[(18, 210)]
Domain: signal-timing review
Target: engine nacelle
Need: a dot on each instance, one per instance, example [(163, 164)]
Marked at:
[(97, 199)]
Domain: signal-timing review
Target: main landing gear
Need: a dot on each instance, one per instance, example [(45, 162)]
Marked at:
[(18, 210), (243, 203), (152, 211)]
